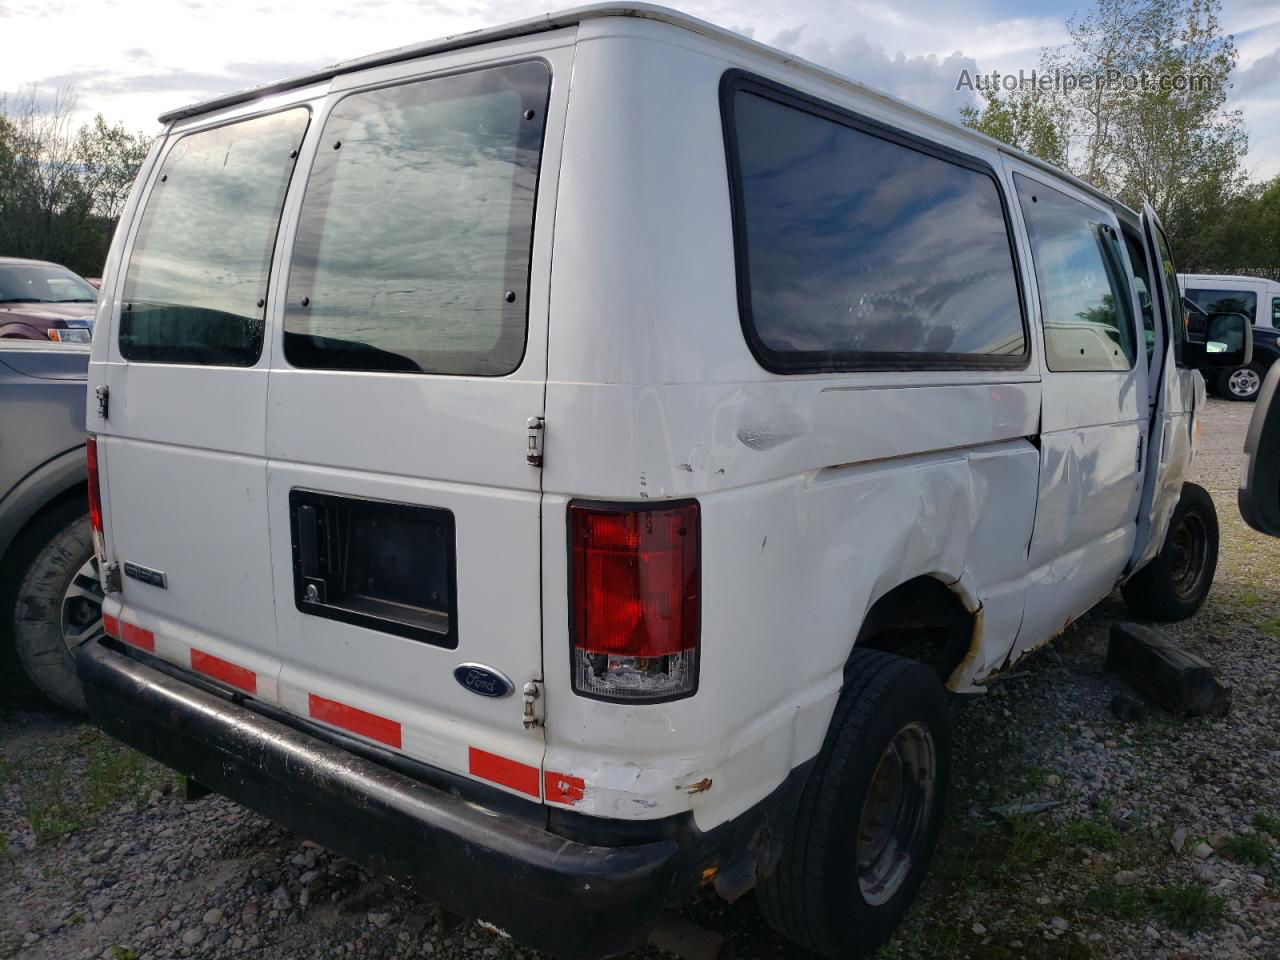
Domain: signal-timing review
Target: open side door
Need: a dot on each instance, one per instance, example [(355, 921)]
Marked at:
[(1174, 397)]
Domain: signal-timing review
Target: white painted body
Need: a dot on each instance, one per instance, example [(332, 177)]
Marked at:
[(1267, 292), (1022, 491)]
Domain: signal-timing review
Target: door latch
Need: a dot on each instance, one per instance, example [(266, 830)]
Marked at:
[(103, 393), (532, 704), (537, 426)]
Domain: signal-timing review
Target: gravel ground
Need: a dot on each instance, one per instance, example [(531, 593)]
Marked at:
[(1163, 842)]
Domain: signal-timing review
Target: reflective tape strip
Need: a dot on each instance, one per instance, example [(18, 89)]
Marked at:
[(562, 788), (503, 771), (137, 637), (110, 626), (357, 721), (229, 673)]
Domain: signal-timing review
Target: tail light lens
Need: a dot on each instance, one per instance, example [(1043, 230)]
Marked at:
[(95, 497), (634, 600)]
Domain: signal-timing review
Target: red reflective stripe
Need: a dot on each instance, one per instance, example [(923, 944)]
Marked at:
[(111, 626), (227, 672), (137, 637), (508, 773), (357, 721), (562, 788)]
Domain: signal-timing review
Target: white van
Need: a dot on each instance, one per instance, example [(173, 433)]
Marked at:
[(568, 465), (1256, 297)]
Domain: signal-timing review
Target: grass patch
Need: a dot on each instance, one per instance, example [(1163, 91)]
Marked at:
[(70, 784), (1248, 848), (1186, 907), (1127, 903), (123, 953), (1271, 627), (1094, 834), (1265, 822)]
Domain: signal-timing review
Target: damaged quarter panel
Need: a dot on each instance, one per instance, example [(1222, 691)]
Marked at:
[(818, 493)]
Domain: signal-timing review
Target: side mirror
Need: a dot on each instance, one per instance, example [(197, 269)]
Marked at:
[(1259, 494), (1224, 340)]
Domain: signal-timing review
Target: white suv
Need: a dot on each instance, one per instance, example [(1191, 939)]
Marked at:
[(569, 464)]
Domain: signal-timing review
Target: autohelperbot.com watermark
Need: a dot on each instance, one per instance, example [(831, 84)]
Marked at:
[(1064, 81)]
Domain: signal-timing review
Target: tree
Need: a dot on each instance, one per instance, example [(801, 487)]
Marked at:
[(62, 188), (1138, 110), (1030, 120)]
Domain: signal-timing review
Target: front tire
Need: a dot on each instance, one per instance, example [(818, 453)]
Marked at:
[(57, 604), (860, 844), (1173, 585), (1241, 383)]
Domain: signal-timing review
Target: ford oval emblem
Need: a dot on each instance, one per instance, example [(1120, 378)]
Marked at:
[(483, 680)]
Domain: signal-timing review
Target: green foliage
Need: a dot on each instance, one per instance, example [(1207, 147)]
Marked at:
[(1179, 148), (1248, 848), (1265, 822), (1127, 903), (1187, 907), (1091, 834), (62, 188)]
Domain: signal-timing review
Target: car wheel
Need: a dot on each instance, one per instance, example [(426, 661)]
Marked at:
[(857, 850), (57, 604), (1241, 383), (1174, 584)]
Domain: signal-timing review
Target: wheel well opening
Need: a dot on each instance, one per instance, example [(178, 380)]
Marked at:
[(921, 620)]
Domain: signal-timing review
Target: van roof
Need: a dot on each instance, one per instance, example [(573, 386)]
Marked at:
[(646, 11), (1235, 277)]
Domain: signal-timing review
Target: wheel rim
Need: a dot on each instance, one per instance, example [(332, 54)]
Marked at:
[(1244, 382), (895, 812), (1190, 549), (82, 607)]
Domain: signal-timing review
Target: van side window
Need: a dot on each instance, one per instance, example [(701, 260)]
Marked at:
[(412, 252), (1226, 301), (1084, 302), (196, 283), (1142, 286), (861, 247), (1275, 311)]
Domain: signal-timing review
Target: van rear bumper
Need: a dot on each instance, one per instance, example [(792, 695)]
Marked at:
[(570, 899)]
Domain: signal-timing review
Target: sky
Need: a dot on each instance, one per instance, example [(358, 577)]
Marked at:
[(131, 60)]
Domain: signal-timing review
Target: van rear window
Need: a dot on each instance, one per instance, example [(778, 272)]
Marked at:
[(862, 247), (412, 252), (196, 284), (1226, 301)]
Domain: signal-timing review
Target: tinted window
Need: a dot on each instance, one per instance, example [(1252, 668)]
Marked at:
[(197, 277), (858, 249), (1142, 287), (413, 247), (1084, 300), (42, 283), (1226, 301), (1275, 311)]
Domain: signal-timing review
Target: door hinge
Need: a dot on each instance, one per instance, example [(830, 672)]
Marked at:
[(111, 577), (103, 393), (533, 704), (537, 427)]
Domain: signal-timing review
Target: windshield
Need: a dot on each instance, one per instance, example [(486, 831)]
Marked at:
[(42, 283)]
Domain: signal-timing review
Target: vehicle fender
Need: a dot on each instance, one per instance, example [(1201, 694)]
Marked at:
[(46, 483)]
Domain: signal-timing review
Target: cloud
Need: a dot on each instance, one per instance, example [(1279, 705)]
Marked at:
[(926, 80), (1260, 77)]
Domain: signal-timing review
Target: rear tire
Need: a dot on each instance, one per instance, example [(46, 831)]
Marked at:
[(858, 848), (1173, 585), (55, 603), (1241, 384)]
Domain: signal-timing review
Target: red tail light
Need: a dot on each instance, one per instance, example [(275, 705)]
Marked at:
[(635, 600), (95, 497)]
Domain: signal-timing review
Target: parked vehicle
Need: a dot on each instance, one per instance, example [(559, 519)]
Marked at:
[(562, 575), (1259, 300), (43, 301), (50, 597)]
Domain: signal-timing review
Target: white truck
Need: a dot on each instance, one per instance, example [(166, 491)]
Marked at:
[(571, 464)]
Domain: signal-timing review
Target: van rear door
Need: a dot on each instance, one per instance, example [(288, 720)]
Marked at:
[(181, 449), (404, 509)]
